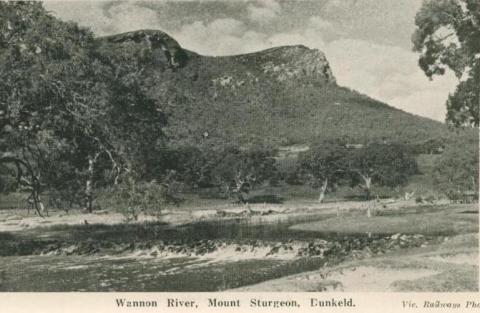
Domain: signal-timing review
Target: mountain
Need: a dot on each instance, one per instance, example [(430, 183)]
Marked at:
[(286, 95)]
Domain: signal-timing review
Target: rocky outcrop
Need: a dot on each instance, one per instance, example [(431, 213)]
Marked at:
[(280, 63), (154, 39), (286, 64), (296, 62)]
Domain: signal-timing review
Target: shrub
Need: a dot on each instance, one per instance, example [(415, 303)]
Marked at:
[(140, 197)]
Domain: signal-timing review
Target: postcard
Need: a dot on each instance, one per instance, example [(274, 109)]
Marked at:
[(265, 156)]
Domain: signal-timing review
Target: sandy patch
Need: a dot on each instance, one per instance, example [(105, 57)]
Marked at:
[(258, 213), (20, 223), (75, 267), (374, 279), (355, 279)]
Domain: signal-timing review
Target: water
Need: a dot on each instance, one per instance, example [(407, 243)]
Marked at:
[(68, 273), (241, 259)]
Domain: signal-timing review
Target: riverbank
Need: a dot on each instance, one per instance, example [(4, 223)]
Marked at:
[(326, 247), (448, 264)]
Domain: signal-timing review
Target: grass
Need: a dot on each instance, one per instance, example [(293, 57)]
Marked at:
[(433, 223)]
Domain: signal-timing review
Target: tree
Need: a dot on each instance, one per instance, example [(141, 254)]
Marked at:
[(383, 164), (456, 171), (241, 169), (49, 87), (463, 105), (448, 36), (64, 98), (192, 165), (324, 164), (137, 196)]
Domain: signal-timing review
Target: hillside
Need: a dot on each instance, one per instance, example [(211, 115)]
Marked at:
[(287, 95)]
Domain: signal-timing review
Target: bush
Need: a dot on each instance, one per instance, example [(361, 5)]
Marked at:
[(456, 171), (140, 197)]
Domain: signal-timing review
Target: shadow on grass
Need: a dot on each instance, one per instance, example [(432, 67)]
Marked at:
[(273, 199)]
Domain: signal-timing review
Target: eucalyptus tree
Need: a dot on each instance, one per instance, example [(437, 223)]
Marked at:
[(448, 36), (63, 105), (330, 163), (49, 91), (324, 165), (240, 169), (456, 170), (379, 163)]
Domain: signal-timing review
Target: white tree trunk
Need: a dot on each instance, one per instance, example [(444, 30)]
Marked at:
[(38, 204), (367, 185), (89, 183), (322, 190)]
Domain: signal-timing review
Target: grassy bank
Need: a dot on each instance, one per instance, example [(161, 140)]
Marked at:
[(446, 219)]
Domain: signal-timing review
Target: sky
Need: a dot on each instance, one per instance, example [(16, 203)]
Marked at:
[(367, 42)]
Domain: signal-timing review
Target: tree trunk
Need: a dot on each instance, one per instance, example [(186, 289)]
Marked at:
[(89, 183), (367, 186), (322, 190), (37, 203), (239, 189), (241, 198)]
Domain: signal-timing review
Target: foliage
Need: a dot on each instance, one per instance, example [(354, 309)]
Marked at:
[(337, 163), (47, 83), (240, 170), (190, 165), (325, 161), (457, 169), (138, 197), (386, 164), (448, 36), (429, 146), (463, 105), (65, 104)]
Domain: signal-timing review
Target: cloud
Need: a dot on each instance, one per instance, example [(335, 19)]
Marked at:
[(320, 23), (264, 11), (104, 18), (389, 74), (224, 36), (230, 36)]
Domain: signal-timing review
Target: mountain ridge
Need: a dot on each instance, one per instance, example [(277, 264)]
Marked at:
[(285, 94)]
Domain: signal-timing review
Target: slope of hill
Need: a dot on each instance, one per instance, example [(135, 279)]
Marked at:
[(287, 95)]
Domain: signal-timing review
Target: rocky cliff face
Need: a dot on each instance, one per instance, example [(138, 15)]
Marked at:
[(156, 40), (283, 65), (280, 63), (293, 62)]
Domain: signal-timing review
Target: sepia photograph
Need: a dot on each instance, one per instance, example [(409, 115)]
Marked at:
[(327, 146)]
